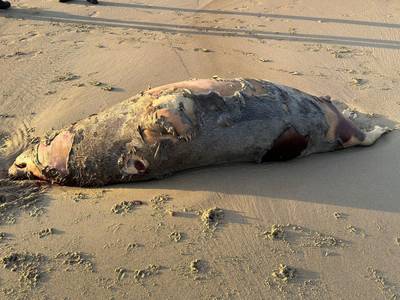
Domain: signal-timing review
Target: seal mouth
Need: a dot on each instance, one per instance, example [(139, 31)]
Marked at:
[(18, 173)]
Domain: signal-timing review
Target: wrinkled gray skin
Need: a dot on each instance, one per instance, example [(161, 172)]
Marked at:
[(186, 125)]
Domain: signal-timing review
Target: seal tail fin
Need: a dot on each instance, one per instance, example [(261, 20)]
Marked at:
[(368, 137), (372, 136)]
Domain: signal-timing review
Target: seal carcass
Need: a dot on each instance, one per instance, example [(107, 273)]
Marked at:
[(190, 124)]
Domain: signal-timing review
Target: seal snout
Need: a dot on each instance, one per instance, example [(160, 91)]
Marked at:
[(18, 171), (24, 167)]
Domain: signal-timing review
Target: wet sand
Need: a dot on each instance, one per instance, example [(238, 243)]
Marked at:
[(337, 214)]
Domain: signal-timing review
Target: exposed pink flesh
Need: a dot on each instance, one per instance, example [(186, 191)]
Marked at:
[(56, 154)]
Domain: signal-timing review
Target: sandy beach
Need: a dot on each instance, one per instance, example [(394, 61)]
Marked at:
[(332, 219)]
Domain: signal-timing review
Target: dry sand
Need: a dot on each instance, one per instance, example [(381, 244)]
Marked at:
[(339, 212)]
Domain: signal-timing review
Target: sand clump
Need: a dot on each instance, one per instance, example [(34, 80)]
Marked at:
[(356, 230), (158, 202), (104, 86), (284, 273), (159, 205), (205, 50), (150, 270), (80, 196), (175, 236), (212, 217), (76, 259), (325, 241), (132, 246), (388, 289), (66, 77), (303, 237), (126, 206), (197, 266), (121, 273), (312, 238), (339, 215), (27, 265), (171, 212), (275, 233), (357, 81), (45, 232)]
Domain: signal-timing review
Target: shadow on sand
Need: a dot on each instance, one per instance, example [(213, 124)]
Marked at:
[(365, 178)]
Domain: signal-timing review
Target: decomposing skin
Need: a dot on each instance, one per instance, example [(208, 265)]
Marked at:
[(190, 124)]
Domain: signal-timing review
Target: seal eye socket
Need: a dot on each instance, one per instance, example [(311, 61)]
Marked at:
[(139, 166), (21, 165)]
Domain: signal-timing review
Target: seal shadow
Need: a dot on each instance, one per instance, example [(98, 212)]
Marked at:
[(17, 197), (364, 178)]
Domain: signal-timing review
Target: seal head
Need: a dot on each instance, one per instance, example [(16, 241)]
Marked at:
[(47, 160), (24, 167)]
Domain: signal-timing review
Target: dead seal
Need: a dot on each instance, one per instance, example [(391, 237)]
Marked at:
[(190, 124)]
